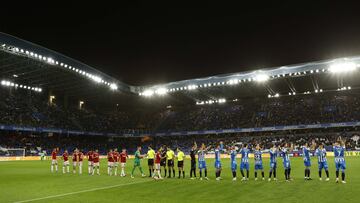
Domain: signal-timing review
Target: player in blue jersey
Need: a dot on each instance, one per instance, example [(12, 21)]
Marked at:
[(233, 154), (244, 151), (339, 154), (306, 150), (258, 162), (285, 153), (201, 160), (219, 148), (322, 161), (273, 162)]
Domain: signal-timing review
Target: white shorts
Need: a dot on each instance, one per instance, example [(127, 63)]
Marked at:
[(122, 165), (53, 161), (157, 166), (90, 163), (111, 164), (116, 164), (66, 163), (96, 164), (77, 163)]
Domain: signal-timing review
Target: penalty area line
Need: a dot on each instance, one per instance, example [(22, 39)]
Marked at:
[(81, 191)]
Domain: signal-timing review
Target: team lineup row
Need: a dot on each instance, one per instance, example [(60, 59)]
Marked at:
[(165, 157)]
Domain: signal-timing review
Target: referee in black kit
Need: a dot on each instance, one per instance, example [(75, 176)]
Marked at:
[(163, 158), (193, 161)]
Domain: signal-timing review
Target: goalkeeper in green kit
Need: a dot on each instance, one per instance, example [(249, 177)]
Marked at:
[(137, 163)]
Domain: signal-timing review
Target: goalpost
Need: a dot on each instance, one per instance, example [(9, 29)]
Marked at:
[(14, 151)]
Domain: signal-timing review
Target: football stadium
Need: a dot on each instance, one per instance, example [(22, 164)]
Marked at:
[(72, 133)]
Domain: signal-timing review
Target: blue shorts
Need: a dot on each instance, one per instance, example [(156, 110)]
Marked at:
[(259, 167), (202, 164), (273, 165), (233, 166), (323, 165), (287, 165), (307, 163), (217, 164), (244, 165), (340, 165)]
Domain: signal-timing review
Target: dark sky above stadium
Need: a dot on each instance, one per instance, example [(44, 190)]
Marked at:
[(146, 43)]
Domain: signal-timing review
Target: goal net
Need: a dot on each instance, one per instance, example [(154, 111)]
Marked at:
[(12, 151)]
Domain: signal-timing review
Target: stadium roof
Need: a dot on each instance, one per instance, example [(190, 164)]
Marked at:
[(37, 68)]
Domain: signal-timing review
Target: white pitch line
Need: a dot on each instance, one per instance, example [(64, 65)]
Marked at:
[(78, 192)]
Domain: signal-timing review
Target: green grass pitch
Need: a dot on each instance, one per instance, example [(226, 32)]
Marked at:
[(32, 181)]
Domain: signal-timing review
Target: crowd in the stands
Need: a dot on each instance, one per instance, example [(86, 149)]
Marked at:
[(27, 109), (35, 142)]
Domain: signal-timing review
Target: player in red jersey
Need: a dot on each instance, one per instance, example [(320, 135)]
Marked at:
[(81, 158), (96, 160), (54, 160), (77, 158), (110, 157), (65, 157), (116, 156), (90, 161), (123, 156), (158, 157)]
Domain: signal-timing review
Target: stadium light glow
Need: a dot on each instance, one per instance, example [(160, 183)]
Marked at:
[(96, 79), (342, 67), (148, 93), (113, 86), (261, 78), (11, 84), (233, 82), (161, 91)]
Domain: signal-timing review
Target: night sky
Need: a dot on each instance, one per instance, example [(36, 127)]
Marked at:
[(146, 43)]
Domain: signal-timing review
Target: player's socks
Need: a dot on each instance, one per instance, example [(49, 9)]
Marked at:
[(56, 167), (205, 172), (242, 173), (327, 173), (247, 174), (150, 172), (200, 172), (165, 173), (174, 173), (80, 169), (256, 175), (319, 174), (263, 174), (183, 174), (52, 168), (234, 174), (115, 171), (337, 174), (274, 172), (343, 176), (179, 173), (270, 173)]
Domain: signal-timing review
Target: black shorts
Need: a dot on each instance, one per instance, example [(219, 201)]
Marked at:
[(193, 164), (150, 162), (163, 162), (170, 163), (180, 164)]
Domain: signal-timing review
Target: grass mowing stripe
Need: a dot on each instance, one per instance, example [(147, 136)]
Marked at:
[(82, 191)]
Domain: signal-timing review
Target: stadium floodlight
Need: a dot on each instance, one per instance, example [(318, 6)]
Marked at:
[(3, 45), (96, 79), (148, 93), (222, 100), (113, 86), (233, 82), (161, 91), (342, 67), (261, 78), (276, 95)]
